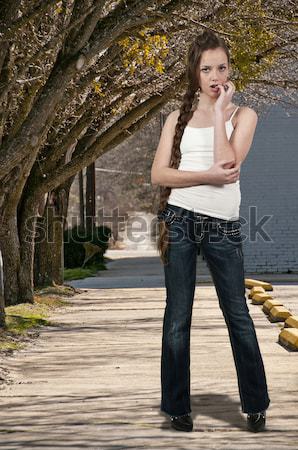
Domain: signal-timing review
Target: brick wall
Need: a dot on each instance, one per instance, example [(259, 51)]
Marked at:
[(269, 188)]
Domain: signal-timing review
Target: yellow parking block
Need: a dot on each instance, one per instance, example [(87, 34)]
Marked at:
[(269, 304), (256, 290), (260, 298), (279, 314), (289, 338), (249, 283), (292, 321)]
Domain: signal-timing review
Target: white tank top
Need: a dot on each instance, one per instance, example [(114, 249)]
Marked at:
[(196, 149)]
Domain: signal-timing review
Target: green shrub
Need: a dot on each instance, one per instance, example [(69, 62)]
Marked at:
[(74, 252)]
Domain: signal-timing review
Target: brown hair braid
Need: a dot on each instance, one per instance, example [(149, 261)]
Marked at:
[(205, 41)]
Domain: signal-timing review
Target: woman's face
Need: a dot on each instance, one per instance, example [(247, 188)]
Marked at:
[(213, 69)]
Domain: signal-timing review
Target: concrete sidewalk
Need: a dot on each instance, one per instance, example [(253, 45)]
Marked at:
[(133, 268), (93, 381)]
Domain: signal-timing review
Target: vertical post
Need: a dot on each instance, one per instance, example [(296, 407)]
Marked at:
[(90, 197), (82, 203)]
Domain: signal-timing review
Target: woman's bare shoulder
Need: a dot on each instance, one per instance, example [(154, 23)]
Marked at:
[(245, 112)]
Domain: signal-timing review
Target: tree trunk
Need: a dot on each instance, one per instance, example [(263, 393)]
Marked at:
[(2, 312), (10, 249), (27, 228), (48, 263), (2, 304)]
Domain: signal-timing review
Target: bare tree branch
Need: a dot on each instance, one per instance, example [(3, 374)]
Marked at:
[(8, 33)]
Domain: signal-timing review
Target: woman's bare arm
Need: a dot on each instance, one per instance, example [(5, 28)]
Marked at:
[(164, 175), (181, 178)]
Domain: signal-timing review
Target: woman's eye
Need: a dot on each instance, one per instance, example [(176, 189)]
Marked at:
[(206, 68)]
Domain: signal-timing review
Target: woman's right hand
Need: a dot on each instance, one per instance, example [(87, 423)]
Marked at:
[(217, 174)]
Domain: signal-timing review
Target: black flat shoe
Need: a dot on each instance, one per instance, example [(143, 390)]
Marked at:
[(256, 421), (182, 423)]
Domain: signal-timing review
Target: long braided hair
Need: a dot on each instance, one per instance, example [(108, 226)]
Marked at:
[(204, 41)]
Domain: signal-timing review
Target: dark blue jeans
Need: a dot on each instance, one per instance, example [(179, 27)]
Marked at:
[(221, 243)]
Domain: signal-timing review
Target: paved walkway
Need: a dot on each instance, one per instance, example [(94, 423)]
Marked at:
[(93, 381), (133, 268)]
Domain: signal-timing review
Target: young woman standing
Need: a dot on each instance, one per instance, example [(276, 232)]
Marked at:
[(197, 164)]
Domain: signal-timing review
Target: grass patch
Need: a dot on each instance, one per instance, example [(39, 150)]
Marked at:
[(80, 273), (55, 292), (18, 324), (10, 346), (24, 320)]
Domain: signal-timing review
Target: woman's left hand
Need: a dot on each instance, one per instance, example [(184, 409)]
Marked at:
[(225, 97)]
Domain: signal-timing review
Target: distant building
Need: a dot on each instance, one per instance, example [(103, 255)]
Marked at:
[(269, 187)]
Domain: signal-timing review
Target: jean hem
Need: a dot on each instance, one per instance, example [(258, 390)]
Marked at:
[(244, 410), (174, 414)]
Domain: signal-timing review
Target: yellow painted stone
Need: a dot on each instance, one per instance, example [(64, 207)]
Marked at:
[(255, 290), (289, 337), (292, 321), (260, 298), (269, 304), (250, 282), (279, 313)]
